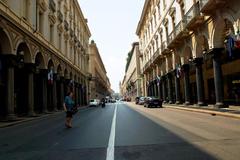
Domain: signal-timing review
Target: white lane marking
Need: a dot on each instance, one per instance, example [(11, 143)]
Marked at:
[(111, 142)]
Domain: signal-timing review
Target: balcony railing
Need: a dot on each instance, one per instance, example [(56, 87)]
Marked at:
[(60, 16), (207, 6), (66, 25), (156, 54), (177, 34), (52, 5), (171, 37), (71, 32), (203, 3), (193, 17)]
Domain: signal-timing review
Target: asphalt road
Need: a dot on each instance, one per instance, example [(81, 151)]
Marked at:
[(137, 133)]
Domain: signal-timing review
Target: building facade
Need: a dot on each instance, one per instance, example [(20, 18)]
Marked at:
[(131, 85), (43, 55), (100, 86), (190, 51)]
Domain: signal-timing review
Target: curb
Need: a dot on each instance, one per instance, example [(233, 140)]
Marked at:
[(231, 115), (28, 119)]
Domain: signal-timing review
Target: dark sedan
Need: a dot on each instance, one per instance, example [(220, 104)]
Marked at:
[(152, 102)]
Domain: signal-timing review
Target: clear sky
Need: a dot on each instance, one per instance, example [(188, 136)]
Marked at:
[(113, 24)]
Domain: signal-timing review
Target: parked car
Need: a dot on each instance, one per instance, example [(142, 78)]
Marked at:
[(152, 102), (94, 102), (137, 100), (141, 100)]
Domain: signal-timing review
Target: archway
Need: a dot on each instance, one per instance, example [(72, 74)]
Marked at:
[(66, 78), (23, 56), (5, 48), (50, 86), (58, 87), (228, 88), (38, 83)]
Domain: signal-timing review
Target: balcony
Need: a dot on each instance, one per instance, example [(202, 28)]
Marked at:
[(164, 48), (66, 25), (177, 35), (60, 16), (52, 5), (193, 17), (155, 55), (208, 6), (71, 32)]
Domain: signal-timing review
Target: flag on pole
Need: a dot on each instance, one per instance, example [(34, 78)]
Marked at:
[(50, 77), (179, 71), (158, 80), (230, 45)]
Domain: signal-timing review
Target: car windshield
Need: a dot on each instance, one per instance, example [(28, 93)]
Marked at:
[(92, 100)]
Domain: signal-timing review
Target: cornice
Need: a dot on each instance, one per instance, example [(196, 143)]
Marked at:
[(144, 12)]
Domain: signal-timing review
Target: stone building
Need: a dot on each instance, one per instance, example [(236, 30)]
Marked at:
[(131, 85), (190, 51), (43, 55), (100, 86)]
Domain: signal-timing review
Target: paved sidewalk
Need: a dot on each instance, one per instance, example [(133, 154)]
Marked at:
[(232, 111), (19, 120)]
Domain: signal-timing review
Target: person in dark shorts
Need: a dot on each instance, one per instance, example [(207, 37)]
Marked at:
[(68, 105)]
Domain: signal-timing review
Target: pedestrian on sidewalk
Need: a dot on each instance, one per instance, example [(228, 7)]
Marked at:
[(68, 106)]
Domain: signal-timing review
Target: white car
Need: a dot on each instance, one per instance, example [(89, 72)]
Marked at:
[(94, 102)]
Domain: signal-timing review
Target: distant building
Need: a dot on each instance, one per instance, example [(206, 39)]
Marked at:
[(99, 83), (131, 86)]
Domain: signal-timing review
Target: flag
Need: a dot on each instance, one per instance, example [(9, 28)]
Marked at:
[(158, 80), (50, 77), (238, 39), (230, 45), (179, 71)]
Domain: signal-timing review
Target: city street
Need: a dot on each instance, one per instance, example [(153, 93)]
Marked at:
[(137, 133)]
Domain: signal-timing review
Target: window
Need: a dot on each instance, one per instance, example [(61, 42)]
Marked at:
[(66, 48), (159, 10), (164, 4), (155, 19), (41, 22), (51, 34), (60, 42)]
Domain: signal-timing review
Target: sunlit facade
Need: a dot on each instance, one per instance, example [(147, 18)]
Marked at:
[(100, 86), (43, 55), (131, 84), (190, 51)]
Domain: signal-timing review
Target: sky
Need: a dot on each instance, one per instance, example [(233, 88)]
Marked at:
[(113, 25)]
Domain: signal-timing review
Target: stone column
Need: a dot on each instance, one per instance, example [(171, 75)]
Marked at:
[(81, 94), (10, 60), (61, 91), (54, 98), (44, 73), (159, 89), (155, 88), (186, 84), (218, 78), (31, 69), (170, 92), (164, 89), (199, 80), (76, 92), (177, 88)]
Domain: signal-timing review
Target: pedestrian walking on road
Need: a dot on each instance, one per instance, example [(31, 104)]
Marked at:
[(68, 106)]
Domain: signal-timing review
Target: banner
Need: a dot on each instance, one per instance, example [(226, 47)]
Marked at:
[(50, 77)]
